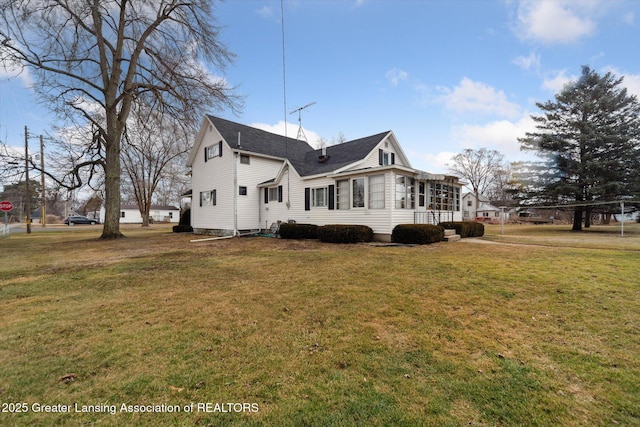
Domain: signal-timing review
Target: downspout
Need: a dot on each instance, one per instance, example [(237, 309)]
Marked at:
[(235, 191)]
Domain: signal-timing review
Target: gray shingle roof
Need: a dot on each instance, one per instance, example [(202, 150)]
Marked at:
[(302, 156)]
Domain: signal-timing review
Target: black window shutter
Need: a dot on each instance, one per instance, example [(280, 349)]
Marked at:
[(201, 196), (220, 149), (307, 199), (213, 197), (393, 158), (266, 195), (280, 193), (332, 192), (380, 158), (205, 155)]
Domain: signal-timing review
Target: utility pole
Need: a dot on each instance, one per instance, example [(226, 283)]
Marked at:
[(43, 199), (26, 173)]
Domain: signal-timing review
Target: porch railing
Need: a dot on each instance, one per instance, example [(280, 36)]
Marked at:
[(432, 217)]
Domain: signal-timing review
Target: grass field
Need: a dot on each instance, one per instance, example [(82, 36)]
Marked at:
[(540, 329)]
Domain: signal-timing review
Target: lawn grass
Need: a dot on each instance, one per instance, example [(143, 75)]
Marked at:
[(320, 334)]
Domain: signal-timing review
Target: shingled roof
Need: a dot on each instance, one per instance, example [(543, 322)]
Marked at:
[(303, 157)]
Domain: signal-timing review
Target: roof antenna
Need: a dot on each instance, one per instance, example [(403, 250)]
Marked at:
[(300, 131)]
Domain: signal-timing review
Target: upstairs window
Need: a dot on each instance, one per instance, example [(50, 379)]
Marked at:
[(386, 158), (212, 151)]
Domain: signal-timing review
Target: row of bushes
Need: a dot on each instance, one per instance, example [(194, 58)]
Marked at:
[(327, 233), (417, 234), (403, 233), (465, 228)]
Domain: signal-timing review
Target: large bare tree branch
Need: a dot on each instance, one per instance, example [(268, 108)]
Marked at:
[(93, 60)]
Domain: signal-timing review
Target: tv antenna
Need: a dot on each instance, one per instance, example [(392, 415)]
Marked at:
[(299, 111)]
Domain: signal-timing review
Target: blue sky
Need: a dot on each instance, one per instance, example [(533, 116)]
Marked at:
[(442, 75)]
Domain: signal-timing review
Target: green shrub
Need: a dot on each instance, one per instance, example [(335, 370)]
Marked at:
[(417, 234), (184, 225), (298, 231), (465, 228), (339, 233)]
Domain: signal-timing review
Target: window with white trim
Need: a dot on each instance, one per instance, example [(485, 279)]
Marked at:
[(319, 197), (342, 187), (273, 194), (405, 192), (213, 151), (208, 198), (357, 185), (376, 192)]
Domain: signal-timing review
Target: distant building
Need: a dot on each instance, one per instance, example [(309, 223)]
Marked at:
[(130, 214), (480, 209)]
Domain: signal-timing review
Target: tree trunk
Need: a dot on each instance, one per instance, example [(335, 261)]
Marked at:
[(111, 227), (607, 218), (577, 219)]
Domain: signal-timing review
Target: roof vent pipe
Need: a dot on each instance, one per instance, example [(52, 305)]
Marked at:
[(239, 140)]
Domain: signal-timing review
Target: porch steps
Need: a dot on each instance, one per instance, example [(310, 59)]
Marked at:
[(451, 236)]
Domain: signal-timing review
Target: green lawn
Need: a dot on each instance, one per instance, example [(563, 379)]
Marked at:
[(541, 330)]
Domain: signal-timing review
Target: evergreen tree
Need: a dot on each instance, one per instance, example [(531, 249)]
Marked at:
[(588, 140)]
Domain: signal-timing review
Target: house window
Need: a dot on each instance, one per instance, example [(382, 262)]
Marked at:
[(343, 194), (212, 151), (405, 192), (422, 193), (319, 197), (208, 198), (242, 190), (469, 203), (386, 158), (445, 197), (171, 215), (273, 194), (121, 214), (357, 185), (245, 159), (376, 192)]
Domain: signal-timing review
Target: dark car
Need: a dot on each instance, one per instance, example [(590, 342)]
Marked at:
[(73, 220)]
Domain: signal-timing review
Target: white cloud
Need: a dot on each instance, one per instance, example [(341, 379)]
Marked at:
[(501, 135), (557, 83), (396, 75), (555, 21), (265, 12), (437, 163), (631, 81), (9, 71), (629, 18), (528, 62), (477, 97), (291, 131)]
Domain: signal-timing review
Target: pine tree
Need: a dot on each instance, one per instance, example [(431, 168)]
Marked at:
[(588, 140)]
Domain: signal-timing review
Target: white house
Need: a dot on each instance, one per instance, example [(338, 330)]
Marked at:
[(478, 209), (130, 214), (246, 179)]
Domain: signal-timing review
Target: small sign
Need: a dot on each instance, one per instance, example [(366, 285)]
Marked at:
[(6, 206)]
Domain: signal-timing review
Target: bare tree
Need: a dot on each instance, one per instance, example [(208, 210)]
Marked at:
[(478, 167), (92, 60), (152, 144)]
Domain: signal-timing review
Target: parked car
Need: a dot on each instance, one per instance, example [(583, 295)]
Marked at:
[(73, 220)]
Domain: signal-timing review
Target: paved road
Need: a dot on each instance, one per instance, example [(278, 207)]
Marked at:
[(15, 228)]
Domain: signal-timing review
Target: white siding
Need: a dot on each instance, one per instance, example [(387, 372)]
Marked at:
[(256, 172), (372, 160), (214, 174)]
